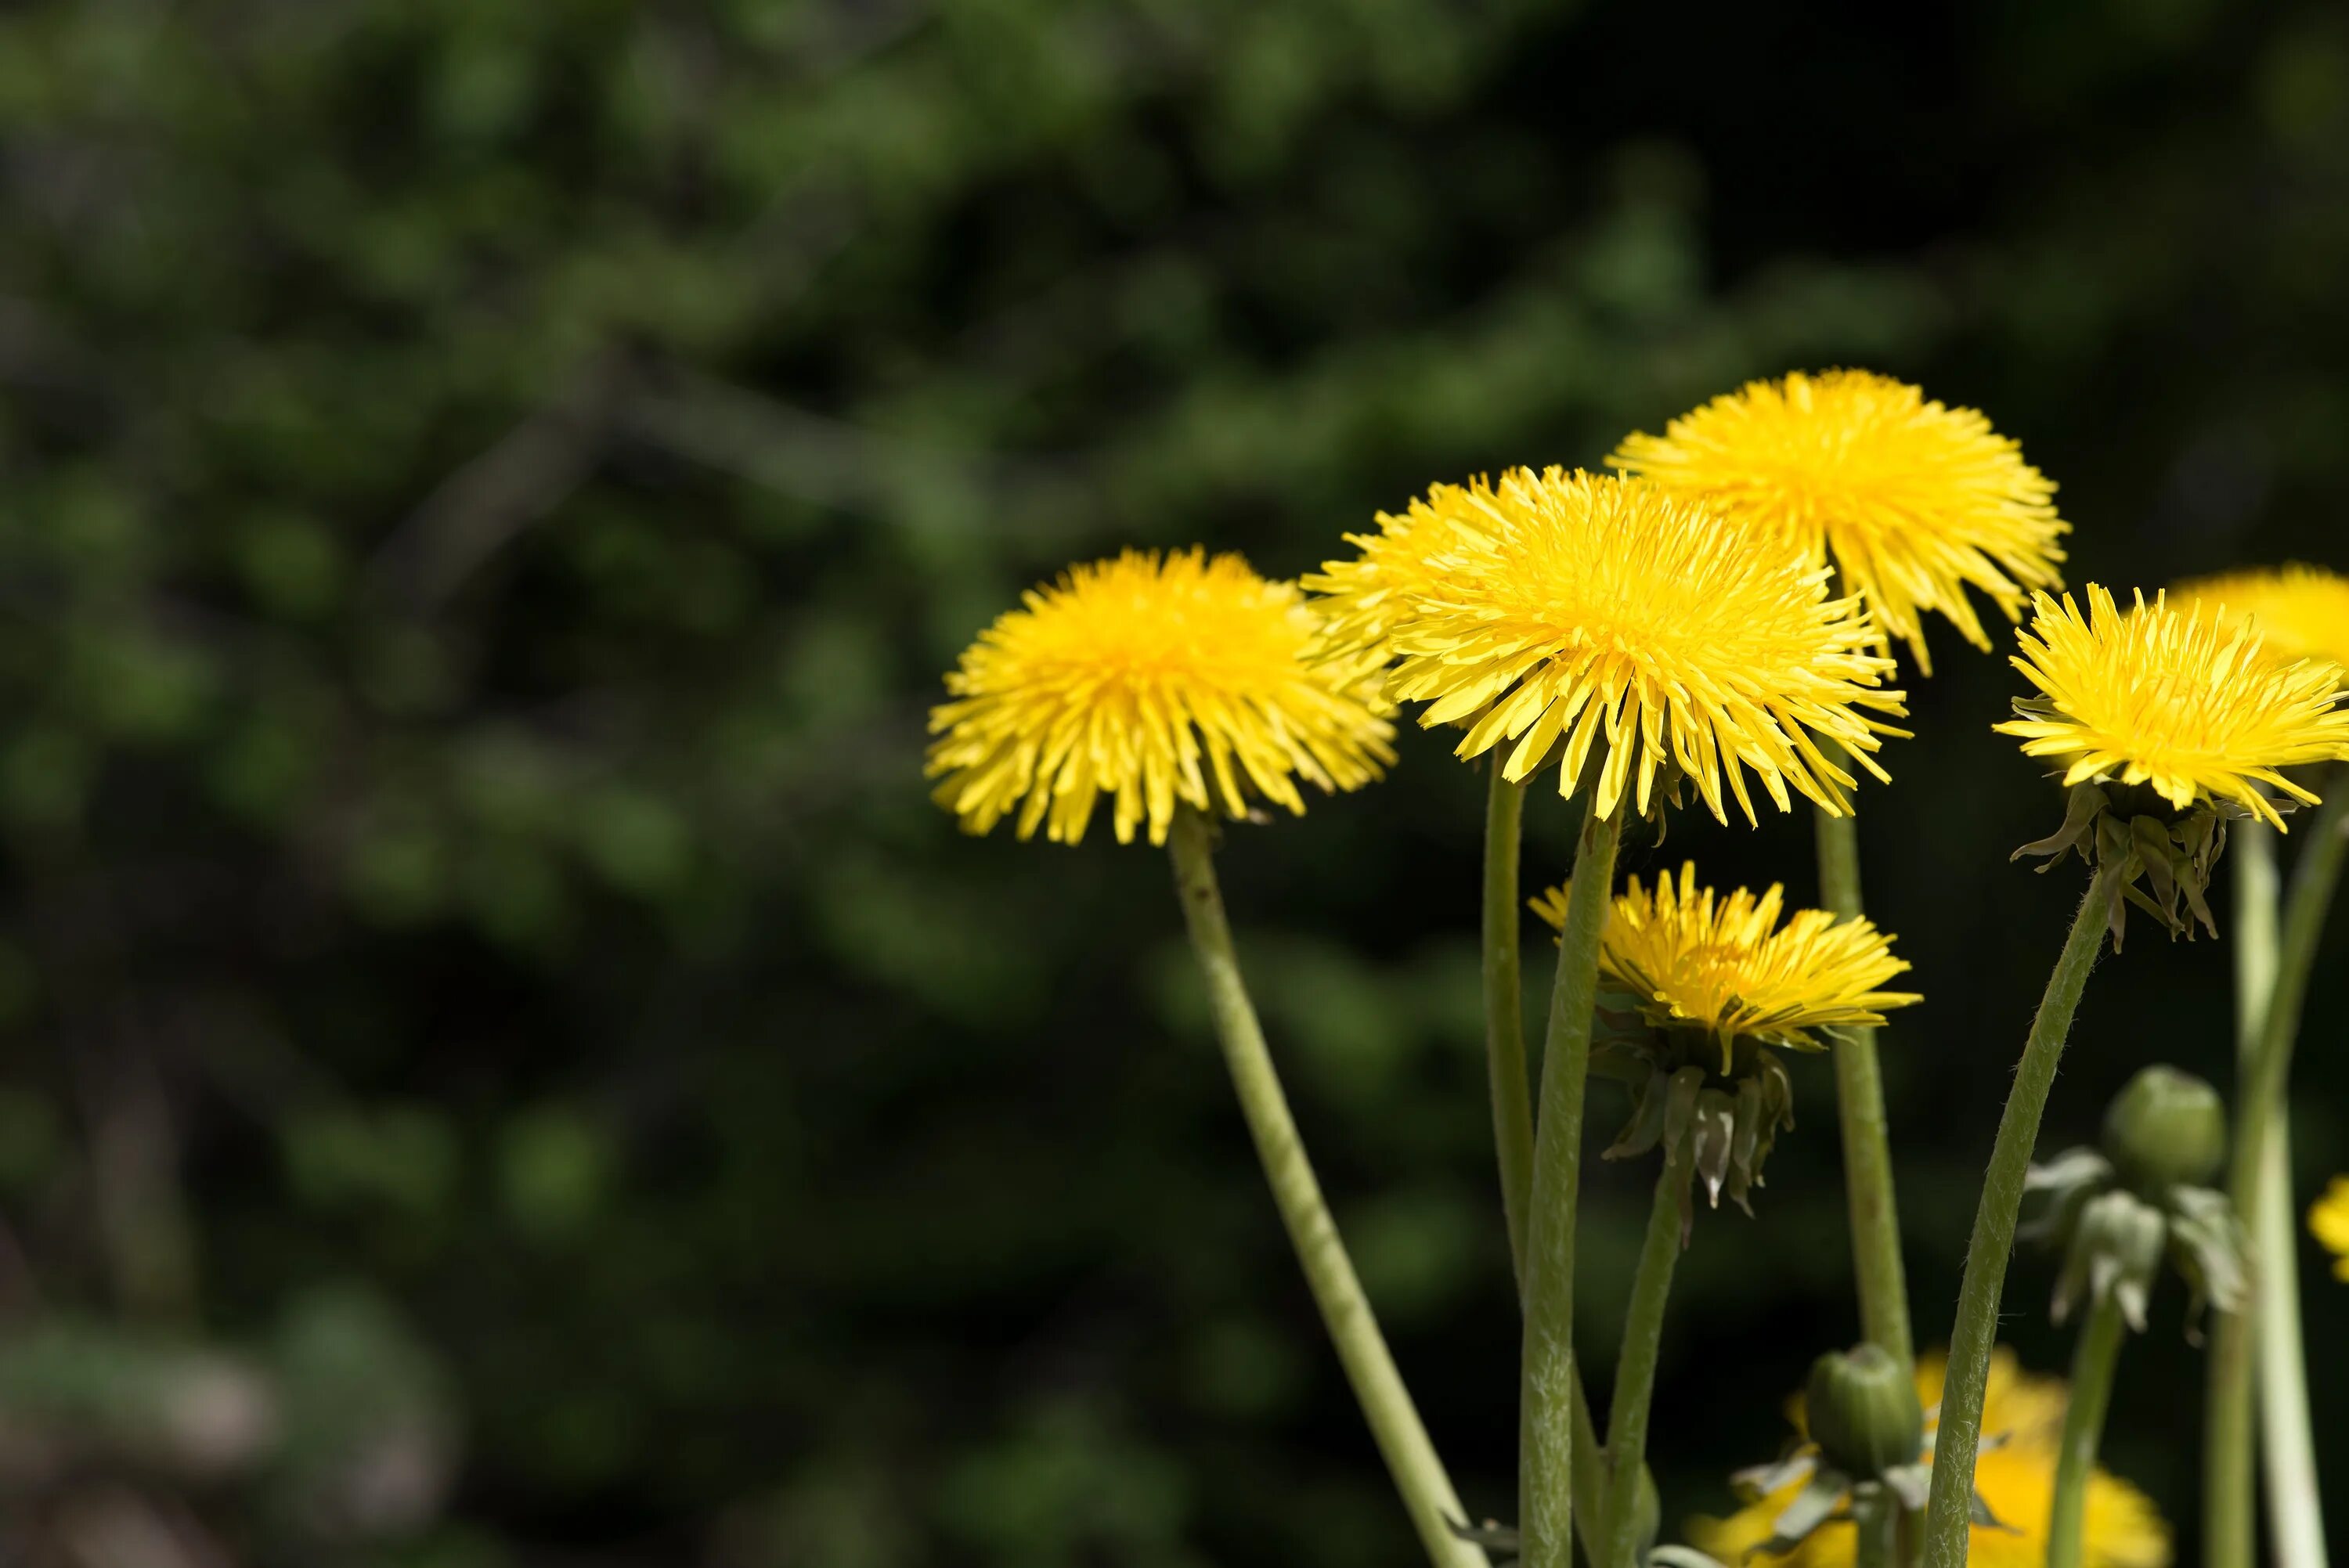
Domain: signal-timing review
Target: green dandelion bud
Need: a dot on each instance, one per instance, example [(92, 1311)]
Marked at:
[(1863, 1411), (2166, 1129)]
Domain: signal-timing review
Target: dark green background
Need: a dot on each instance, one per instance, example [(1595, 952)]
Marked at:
[(490, 490)]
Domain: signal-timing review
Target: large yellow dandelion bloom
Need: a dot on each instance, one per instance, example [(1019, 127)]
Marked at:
[(2328, 1222), (1552, 609), (1725, 966), (2299, 612), (1917, 501), (2170, 699), (1154, 680), (2016, 1477)]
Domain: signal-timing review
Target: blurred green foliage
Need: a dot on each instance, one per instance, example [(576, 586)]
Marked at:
[(489, 491)]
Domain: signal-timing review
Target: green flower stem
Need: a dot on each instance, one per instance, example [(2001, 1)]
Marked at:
[(1949, 1505), (1867, 1141), (1546, 1448), (1875, 1524), (2228, 1529), (1419, 1474), (1504, 1006), (2094, 1360), (1635, 1366)]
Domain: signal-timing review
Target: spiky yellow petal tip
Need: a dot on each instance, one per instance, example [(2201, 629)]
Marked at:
[(2014, 1473), (1724, 964), (2173, 700), (1154, 680), (1551, 610), (2328, 1222), (2299, 612), (1916, 502)]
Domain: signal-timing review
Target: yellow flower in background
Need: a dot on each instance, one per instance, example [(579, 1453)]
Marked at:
[(1724, 964), (1361, 601), (1916, 502), (2328, 1222), (1153, 680), (2299, 612), (2016, 1474), (1556, 608), (2169, 699)]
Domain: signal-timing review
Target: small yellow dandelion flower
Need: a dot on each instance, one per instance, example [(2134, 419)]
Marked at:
[(2016, 1476), (2328, 1222), (1725, 966), (1153, 680), (1916, 501), (2169, 699), (1562, 606), (2299, 612), (1361, 601)]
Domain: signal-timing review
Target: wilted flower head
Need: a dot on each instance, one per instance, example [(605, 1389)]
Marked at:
[(1552, 610), (1154, 680), (2299, 612), (1915, 502)]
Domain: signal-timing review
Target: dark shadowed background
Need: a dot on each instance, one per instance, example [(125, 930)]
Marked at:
[(503, 1063)]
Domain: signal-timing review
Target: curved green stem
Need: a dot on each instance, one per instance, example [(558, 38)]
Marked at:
[(1546, 1423), (2228, 1528), (1504, 1009), (2287, 1430), (2092, 1363), (1419, 1474), (1635, 1366), (1867, 1139), (1949, 1505)]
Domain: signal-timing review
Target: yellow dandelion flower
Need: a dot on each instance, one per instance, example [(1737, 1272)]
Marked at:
[(2016, 1477), (1556, 607), (2171, 700), (1361, 601), (1917, 501), (2328, 1222), (2299, 612), (1153, 680), (1727, 967)]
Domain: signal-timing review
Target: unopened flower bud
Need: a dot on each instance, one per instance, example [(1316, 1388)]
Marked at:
[(2166, 1129), (1863, 1411)]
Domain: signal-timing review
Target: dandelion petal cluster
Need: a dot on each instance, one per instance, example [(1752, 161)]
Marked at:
[(2299, 612)]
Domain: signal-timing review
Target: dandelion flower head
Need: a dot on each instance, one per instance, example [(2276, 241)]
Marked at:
[(2299, 612), (2171, 699), (1916, 501), (2328, 1222), (1725, 965), (1553, 609), (1363, 599), (1153, 680)]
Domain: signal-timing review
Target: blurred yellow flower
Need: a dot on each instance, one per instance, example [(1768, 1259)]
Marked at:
[(2328, 1222), (1725, 966), (2169, 699), (2299, 612), (1553, 608), (1154, 680), (1915, 500), (1363, 600), (2016, 1476)]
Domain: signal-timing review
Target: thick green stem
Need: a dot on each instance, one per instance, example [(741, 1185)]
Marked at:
[(2228, 1527), (1867, 1139), (1419, 1474), (1635, 1366), (2093, 1361), (1949, 1505), (1546, 1423), (1876, 1529), (1505, 1008)]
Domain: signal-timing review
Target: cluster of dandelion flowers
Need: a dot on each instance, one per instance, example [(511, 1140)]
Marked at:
[(2173, 700), (1916, 502), (2014, 1476), (1724, 964), (1556, 608), (1154, 680), (2299, 612), (2328, 1222)]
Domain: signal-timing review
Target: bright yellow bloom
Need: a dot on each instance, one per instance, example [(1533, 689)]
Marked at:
[(2328, 1222), (1362, 600), (2015, 1476), (1726, 966), (2299, 612), (1556, 607), (1153, 680), (1915, 500), (2164, 698)]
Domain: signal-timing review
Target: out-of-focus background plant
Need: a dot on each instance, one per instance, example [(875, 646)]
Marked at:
[(505, 1065)]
